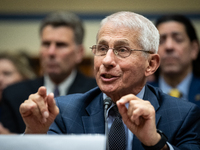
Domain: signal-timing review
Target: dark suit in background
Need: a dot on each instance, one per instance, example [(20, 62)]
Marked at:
[(84, 113), (14, 95)]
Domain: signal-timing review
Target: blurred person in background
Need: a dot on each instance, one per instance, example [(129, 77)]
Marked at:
[(178, 73), (13, 68), (61, 50)]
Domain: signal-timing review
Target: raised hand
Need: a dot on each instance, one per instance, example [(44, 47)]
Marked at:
[(39, 111), (139, 118)]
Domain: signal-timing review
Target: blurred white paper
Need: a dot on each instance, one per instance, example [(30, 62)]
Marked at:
[(53, 142)]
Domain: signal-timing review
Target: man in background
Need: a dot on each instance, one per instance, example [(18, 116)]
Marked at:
[(178, 73), (61, 49)]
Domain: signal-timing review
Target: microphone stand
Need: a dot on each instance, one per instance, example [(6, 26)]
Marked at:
[(106, 130), (107, 104)]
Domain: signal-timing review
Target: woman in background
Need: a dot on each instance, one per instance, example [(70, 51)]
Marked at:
[(13, 68)]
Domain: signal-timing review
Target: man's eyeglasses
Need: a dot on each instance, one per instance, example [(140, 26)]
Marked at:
[(122, 51)]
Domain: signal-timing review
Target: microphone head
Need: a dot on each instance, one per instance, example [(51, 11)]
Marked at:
[(108, 102)]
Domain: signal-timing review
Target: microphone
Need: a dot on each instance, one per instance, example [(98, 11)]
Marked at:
[(107, 104)]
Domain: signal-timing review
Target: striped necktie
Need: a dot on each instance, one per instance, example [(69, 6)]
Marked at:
[(56, 92)]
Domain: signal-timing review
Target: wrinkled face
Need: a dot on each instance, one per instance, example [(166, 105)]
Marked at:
[(119, 76), (8, 74), (59, 52), (175, 49)]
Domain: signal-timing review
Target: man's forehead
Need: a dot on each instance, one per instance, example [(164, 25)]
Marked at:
[(172, 33), (114, 41), (110, 27), (65, 30), (171, 27)]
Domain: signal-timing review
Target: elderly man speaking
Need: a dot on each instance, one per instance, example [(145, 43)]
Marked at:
[(138, 115)]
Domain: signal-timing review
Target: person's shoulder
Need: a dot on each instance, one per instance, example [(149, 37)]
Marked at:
[(82, 84), (78, 98), (169, 101), (85, 78), (153, 83), (22, 88), (195, 80), (28, 83), (178, 108)]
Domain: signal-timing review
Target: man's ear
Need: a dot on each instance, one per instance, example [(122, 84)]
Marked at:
[(80, 54), (153, 64), (195, 49)]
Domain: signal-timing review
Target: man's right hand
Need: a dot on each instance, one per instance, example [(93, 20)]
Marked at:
[(39, 112)]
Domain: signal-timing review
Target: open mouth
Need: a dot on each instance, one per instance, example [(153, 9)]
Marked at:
[(107, 76)]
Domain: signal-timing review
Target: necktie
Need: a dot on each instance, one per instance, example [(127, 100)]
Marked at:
[(56, 92), (117, 136), (175, 93)]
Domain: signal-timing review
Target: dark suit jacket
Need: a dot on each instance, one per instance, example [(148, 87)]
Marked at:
[(84, 114), (194, 90), (15, 94)]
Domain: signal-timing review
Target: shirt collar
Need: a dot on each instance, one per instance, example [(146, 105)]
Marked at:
[(183, 87), (63, 87), (139, 95)]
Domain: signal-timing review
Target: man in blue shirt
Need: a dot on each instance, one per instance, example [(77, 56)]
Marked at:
[(178, 50)]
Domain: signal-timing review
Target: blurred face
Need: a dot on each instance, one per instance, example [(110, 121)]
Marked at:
[(175, 49), (8, 74), (119, 76), (59, 52)]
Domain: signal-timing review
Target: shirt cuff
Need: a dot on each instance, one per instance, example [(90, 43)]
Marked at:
[(170, 146)]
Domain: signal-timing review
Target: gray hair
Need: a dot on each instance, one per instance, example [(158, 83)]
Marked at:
[(149, 35), (68, 19)]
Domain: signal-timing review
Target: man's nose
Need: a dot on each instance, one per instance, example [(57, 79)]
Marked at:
[(169, 44), (52, 48), (109, 59)]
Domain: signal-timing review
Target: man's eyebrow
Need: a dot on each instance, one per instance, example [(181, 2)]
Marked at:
[(172, 33), (122, 42), (102, 42), (118, 42), (177, 34), (62, 44)]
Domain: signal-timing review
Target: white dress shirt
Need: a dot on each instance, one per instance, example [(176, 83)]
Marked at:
[(62, 87)]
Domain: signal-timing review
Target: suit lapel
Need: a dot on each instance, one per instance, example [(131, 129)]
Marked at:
[(194, 94), (152, 96), (76, 84), (94, 122)]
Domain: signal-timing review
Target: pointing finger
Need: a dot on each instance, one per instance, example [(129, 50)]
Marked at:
[(42, 91), (52, 104)]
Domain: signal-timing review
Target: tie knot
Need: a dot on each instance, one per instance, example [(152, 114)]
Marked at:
[(114, 111), (175, 93)]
